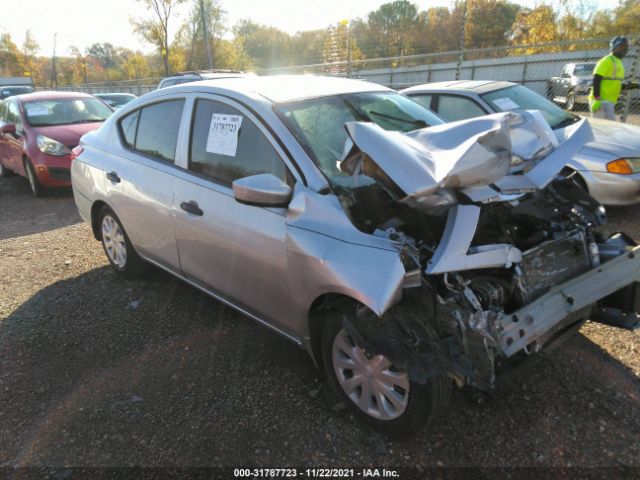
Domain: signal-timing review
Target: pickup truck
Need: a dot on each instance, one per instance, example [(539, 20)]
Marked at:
[(572, 86)]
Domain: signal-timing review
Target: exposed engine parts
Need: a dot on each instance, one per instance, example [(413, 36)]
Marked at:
[(463, 323)]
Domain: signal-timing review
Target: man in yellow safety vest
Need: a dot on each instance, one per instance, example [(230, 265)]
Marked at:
[(608, 81)]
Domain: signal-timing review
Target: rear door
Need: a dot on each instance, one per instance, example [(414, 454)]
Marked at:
[(234, 250), (140, 181)]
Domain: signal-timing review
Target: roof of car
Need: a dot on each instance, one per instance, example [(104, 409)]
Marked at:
[(477, 86), (27, 97), (113, 94), (286, 88)]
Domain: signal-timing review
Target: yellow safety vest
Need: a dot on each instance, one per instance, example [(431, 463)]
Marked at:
[(611, 69)]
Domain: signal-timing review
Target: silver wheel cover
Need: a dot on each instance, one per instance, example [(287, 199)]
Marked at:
[(113, 241), (372, 384)]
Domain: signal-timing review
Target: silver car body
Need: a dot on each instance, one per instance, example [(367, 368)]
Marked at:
[(613, 140), (277, 265)]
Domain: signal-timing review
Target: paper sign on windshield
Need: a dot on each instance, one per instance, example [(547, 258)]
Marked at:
[(506, 104), (37, 111), (223, 134)]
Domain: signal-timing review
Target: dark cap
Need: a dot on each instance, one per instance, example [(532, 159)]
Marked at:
[(617, 41)]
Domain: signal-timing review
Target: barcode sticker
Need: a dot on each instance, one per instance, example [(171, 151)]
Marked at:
[(223, 134)]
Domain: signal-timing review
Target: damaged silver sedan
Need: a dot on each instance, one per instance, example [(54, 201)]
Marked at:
[(407, 256)]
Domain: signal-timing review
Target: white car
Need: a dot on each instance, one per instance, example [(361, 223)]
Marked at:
[(608, 167)]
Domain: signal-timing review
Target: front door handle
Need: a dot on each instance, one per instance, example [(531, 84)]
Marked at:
[(113, 176), (191, 207)]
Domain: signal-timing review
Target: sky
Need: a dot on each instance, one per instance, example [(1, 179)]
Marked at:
[(82, 23)]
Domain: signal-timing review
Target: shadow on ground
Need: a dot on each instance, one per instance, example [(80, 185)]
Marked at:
[(26, 214), (97, 371)]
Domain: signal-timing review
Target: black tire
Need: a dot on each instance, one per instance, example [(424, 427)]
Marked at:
[(36, 188), (570, 103), (133, 265), (4, 171), (425, 402)]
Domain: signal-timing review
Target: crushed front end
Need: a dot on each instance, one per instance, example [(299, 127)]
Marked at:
[(496, 270)]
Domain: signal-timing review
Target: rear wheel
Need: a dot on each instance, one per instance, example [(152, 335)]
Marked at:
[(121, 254), (379, 393), (36, 188)]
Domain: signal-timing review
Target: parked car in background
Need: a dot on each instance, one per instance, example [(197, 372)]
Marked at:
[(403, 253), (11, 90), (571, 88), (38, 131), (195, 76), (115, 100), (607, 167)]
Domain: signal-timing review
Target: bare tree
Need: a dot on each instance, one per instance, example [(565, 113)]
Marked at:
[(157, 31)]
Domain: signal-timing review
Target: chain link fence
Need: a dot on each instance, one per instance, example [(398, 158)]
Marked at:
[(560, 71)]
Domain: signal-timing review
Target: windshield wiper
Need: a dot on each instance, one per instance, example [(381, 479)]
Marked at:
[(85, 121), (417, 123), (567, 121)]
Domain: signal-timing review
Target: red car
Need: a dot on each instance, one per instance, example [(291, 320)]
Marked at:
[(39, 130)]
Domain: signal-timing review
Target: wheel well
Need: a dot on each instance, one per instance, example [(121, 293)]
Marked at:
[(567, 171), (95, 211), (316, 317)]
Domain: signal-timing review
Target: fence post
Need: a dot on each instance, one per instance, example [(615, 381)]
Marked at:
[(634, 75), (524, 70), (463, 25)]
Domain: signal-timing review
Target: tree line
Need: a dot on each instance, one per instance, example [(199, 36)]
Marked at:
[(395, 29)]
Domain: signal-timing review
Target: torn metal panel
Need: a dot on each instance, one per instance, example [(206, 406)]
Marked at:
[(530, 323), (452, 252), (518, 152), (444, 156), (538, 177)]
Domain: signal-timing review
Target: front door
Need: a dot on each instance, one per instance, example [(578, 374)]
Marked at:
[(237, 251)]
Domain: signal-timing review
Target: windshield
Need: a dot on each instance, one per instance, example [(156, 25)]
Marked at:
[(318, 123), (68, 111), (10, 91), (518, 97), (584, 69)]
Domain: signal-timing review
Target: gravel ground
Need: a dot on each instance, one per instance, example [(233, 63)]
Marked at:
[(99, 371)]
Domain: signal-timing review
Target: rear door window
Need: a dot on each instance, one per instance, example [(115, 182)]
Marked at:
[(157, 131), (453, 108), (423, 99)]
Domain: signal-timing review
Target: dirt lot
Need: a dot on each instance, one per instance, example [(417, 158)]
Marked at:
[(98, 371)]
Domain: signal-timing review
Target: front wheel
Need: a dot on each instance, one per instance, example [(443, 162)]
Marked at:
[(121, 254), (379, 393), (36, 188)]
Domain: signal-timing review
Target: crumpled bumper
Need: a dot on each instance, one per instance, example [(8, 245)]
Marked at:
[(527, 327)]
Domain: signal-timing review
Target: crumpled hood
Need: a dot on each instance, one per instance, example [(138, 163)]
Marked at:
[(470, 154)]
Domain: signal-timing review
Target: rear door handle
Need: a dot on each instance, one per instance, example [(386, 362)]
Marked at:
[(191, 207), (113, 176)]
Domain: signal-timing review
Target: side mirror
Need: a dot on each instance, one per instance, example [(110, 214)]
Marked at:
[(8, 128), (264, 190)]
